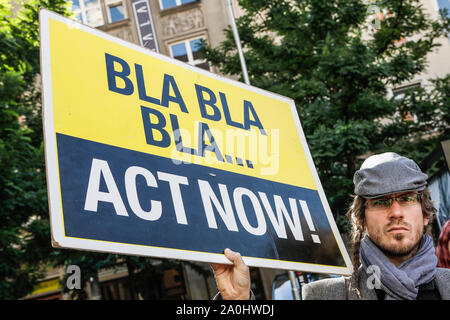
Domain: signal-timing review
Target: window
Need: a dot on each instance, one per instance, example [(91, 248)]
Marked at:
[(88, 12), (375, 17), (165, 4), (187, 51), (116, 289), (115, 10), (444, 4), (399, 95), (173, 283)]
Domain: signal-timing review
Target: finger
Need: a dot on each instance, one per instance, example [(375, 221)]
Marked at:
[(236, 258), (215, 266), (229, 254)]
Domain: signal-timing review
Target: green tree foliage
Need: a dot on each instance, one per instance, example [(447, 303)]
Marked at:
[(322, 54), (24, 232)]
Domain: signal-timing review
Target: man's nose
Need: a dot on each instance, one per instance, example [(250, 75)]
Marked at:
[(396, 209)]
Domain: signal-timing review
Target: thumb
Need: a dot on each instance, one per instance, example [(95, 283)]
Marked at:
[(236, 258)]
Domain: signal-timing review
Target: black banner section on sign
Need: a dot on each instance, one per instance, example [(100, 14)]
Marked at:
[(123, 196)]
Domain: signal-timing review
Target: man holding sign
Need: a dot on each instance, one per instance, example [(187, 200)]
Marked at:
[(389, 213)]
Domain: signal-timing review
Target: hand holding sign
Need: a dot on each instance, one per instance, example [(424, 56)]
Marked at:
[(233, 281)]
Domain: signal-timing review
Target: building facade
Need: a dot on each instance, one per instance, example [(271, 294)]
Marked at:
[(171, 27)]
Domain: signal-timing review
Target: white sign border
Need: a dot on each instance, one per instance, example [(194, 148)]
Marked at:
[(53, 188)]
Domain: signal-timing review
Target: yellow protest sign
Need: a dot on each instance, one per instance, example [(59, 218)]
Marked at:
[(148, 155)]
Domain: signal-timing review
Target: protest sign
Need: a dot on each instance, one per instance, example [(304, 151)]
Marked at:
[(147, 155)]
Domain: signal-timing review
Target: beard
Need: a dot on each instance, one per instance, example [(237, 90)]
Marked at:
[(400, 251), (398, 248)]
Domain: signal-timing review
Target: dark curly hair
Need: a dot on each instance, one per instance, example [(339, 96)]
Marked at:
[(356, 216)]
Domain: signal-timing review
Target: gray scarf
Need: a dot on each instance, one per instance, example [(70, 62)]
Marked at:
[(402, 282)]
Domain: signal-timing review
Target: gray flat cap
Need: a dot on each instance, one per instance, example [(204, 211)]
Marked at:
[(388, 173)]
